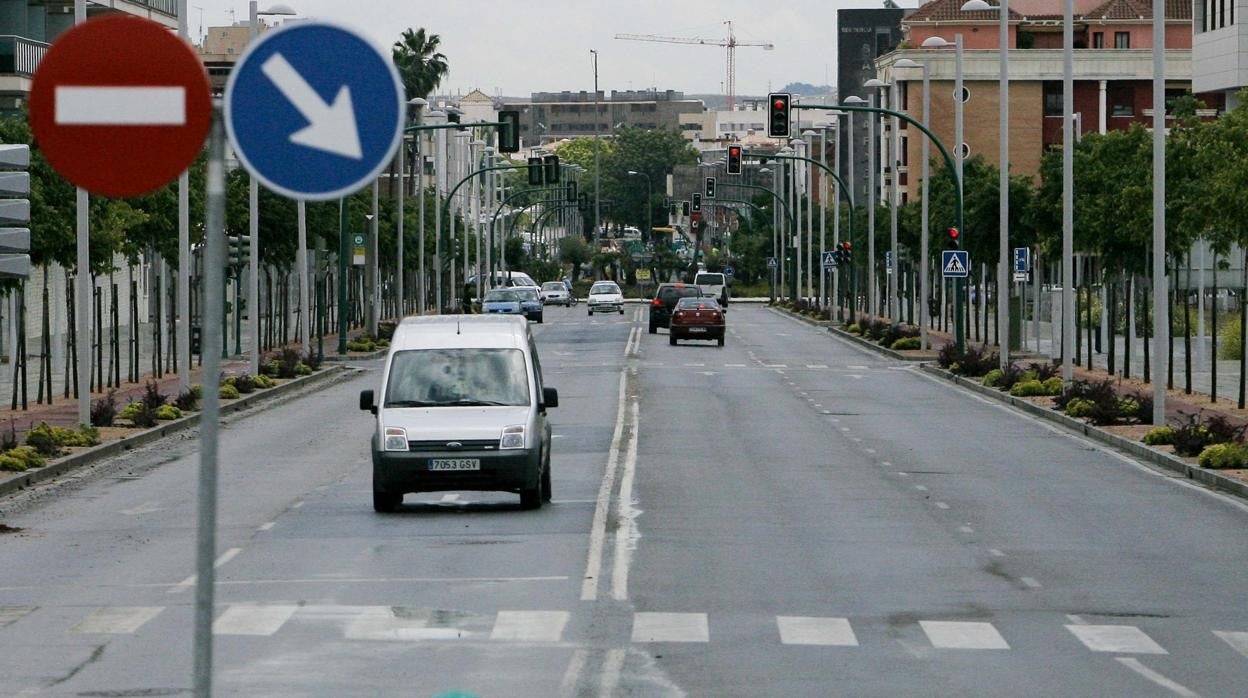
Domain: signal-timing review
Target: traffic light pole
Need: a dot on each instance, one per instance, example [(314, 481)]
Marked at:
[(342, 276), (958, 315)]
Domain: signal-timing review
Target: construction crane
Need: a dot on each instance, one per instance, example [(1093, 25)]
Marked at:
[(729, 43)]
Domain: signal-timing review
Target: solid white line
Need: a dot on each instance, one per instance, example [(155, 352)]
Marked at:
[(227, 556), (1077, 620), (120, 106), (966, 529), (886, 464), (387, 580), (253, 619), (670, 627), (118, 620), (190, 581), (1176, 688), (598, 530), (1122, 639), (612, 667), (868, 450), (626, 531), (1029, 581), (802, 630), (530, 626), (963, 635), (572, 675)]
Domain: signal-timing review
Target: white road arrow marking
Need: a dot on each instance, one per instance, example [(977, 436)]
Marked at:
[(331, 127)]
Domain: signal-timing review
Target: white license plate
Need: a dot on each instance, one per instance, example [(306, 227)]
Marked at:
[(697, 329), (455, 464)]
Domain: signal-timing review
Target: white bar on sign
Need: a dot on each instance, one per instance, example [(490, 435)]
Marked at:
[(120, 106)]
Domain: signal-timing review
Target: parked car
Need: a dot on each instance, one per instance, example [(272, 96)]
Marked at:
[(697, 318), (530, 301), (463, 408), (665, 298), (503, 301), (556, 293), (713, 285), (605, 296)]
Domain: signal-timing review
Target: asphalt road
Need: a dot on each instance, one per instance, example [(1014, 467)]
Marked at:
[(786, 515)]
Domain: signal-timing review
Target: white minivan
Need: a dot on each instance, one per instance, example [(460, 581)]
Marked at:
[(462, 407)]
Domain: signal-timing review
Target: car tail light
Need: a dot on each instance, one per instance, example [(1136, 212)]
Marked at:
[(656, 303)]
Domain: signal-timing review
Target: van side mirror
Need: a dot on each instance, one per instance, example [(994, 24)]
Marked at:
[(550, 397), (368, 401)]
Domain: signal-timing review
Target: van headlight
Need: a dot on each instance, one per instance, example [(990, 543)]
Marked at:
[(513, 437), (396, 439)]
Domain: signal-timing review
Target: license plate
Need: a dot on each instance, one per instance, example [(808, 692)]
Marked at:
[(697, 329), (455, 464)]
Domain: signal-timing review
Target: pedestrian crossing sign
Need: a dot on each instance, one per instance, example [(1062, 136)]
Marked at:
[(829, 260), (954, 264), (771, 263)]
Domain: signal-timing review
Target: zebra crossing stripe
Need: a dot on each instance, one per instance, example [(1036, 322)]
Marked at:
[(253, 619), (11, 614), (1122, 639), (963, 635), (805, 630), (670, 627), (1239, 641), (117, 620), (530, 626)]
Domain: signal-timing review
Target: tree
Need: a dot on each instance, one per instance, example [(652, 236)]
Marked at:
[(574, 251), (421, 66)]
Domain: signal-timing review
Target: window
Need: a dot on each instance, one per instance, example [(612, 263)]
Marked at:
[(1122, 39), (1052, 98), (1121, 99), (457, 377), (1098, 39)]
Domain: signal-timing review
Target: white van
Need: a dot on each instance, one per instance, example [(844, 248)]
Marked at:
[(713, 285), (463, 408)]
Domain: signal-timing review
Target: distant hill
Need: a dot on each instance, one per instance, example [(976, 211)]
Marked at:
[(802, 88)]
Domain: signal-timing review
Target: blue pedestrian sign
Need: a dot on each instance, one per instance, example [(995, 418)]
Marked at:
[(314, 111), (829, 260), (771, 263), (954, 264), (888, 261), (1022, 260), (730, 271)]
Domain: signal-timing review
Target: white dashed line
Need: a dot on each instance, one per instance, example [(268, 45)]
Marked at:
[(941, 505), (1029, 582), (997, 553), (266, 525), (921, 488)]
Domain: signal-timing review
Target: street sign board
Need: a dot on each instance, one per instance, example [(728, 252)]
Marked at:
[(359, 253), (888, 261), (1022, 260), (314, 110), (1021, 276), (829, 260), (955, 264), (120, 106), (730, 271), (771, 263), (643, 274)]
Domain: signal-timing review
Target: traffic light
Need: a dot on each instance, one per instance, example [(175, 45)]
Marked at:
[(710, 187), (535, 172), (14, 242), (551, 163), (571, 193), (239, 249), (697, 201), (582, 202), (734, 159), (952, 242), (452, 117), (847, 253), (778, 108), (509, 131), (684, 208)]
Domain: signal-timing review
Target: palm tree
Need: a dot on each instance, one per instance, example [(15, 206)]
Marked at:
[(421, 66)]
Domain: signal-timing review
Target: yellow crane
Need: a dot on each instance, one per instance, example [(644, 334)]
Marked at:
[(729, 43)]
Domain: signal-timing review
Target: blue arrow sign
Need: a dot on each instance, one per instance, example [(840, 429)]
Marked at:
[(955, 264), (314, 110), (1022, 260), (730, 271)]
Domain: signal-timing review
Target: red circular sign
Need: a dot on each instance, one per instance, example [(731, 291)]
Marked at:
[(120, 106)]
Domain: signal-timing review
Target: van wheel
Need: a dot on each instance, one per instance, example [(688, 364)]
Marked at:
[(386, 503), (621, 311), (531, 498), (671, 339)]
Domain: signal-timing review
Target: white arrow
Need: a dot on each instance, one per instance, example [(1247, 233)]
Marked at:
[(331, 127)]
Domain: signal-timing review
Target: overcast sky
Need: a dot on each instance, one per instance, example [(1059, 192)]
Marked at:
[(516, 47)]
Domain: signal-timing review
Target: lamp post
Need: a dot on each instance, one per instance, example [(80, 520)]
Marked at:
[(597, 138), (1068, 192), (649, 207), (852, 100), (809, 182), (923, 176), (1161, 327), (872, 163), (416, 104)]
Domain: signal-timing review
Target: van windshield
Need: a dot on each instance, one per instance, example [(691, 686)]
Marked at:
[(457, 378)]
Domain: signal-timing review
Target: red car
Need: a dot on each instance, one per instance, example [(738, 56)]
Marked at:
[(697, 318)]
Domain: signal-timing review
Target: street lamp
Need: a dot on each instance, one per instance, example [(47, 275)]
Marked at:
[(905, 63), (809, 183), (417, 105), (649, 203), (872, 293)]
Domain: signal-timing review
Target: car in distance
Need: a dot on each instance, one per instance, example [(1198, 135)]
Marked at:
[(713, 285), (665, 298), (463, 407), (501, 301), (556, 293), (605, 296), (530, 302), (697, 318)]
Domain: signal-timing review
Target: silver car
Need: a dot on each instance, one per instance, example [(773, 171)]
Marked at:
[(605, 296)]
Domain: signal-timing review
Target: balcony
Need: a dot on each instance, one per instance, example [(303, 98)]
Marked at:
[(1041, 64), (20, 56)]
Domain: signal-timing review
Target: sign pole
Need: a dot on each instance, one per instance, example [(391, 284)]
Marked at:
[(342, 276), (183, 337), (83, 312), (301, 258)]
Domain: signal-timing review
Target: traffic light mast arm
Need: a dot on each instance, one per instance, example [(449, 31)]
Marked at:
[(845, 190), (435, 127)]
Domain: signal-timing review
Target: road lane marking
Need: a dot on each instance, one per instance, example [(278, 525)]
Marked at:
[(530, 626), (11, 614), (941, 505), (266, 525), (997, 553), (572, 675), (921, 488), (1029, 581), (381, 580), (1122, 639), (144, 508), (816, 366), (670, 627), (612, 667), (869, 450), (253, 619), (598, 530), (626, 534), (946, 634), (1237, 640), (734, 365), (806, 630), (190, 581), (297, 505), (117, 620), (398, 623), (1174, 687), (966, 529)]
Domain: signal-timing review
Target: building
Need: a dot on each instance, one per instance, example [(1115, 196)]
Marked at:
[(550, 116), (477, 106), (863, 35), (1220, 48), (1113, 72)]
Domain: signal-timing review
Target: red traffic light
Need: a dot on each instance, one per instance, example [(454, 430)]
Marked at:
[(780, 104), (953, 233), (846, 245)]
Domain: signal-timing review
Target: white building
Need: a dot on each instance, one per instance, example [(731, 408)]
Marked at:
[(1220, 47)]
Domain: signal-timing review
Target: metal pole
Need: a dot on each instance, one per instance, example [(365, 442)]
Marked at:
[(184, 250), (894, 161), (398, 262), (422, 285), (1003, 278), (959, 311), (305, 296), (253, 214), (1161, 321), (836, 205), (871, 164), (597, 192), (374, 272), (809, 182), (342, 276), (1068, 193), (924, 281), (439, 184), (83, 291), (823, 216), (206, 528), (850, 163), (798, 184)]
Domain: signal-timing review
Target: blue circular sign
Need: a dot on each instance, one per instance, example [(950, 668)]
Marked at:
[(314, 111)]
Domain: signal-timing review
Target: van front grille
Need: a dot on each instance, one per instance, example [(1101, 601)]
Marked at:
[(446, 445)]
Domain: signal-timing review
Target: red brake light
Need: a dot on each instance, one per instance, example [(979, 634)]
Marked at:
[(657, 302)]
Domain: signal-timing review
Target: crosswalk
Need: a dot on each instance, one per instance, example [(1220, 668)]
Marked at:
[(412, 624)]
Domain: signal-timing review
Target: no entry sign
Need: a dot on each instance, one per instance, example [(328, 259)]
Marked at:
[(120, 106)]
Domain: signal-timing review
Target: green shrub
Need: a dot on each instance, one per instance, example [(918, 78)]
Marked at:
[(244, 384), (104, 410), (1129, 407), (1229, 346), (228, 380), (271, 368), (854, 329), (1196, 431), (166, 412), (1031, 388), (152, 397), (303, 369), (228, 392), (1159, 436), (130, 410), (48, 440), (992, 378), (21, 459), (10, 464), (1224, 455), (1080, 407), (364, 346), (262, 381), (1052, 386), (906, 343)]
